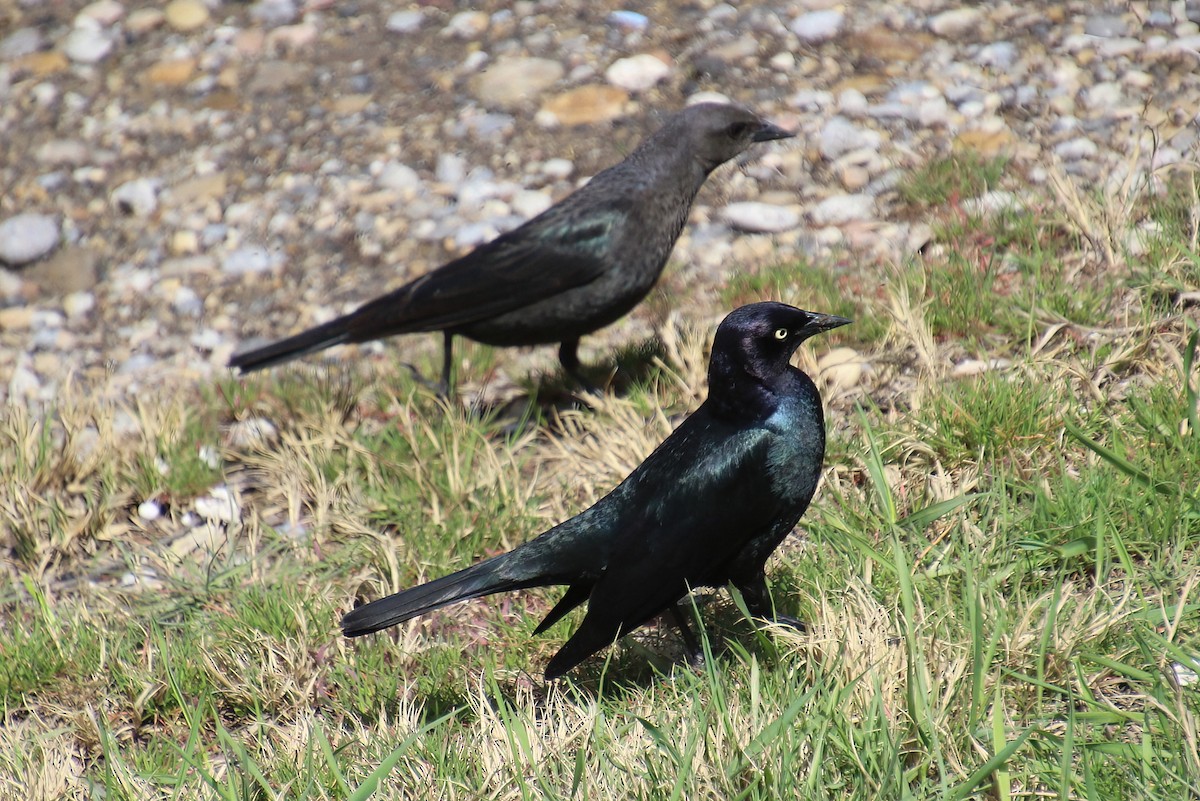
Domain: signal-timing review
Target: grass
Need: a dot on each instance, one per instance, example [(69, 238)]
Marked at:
[(1000, 571)]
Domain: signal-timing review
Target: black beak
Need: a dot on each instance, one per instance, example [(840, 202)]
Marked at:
[(768, 132), (824, 322)]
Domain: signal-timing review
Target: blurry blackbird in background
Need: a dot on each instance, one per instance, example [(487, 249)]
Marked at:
[(576, 267), (706, 508)]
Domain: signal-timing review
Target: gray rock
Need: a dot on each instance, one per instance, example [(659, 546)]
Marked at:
[(998, 55), (1076, 149), (27, 237), (511, 81), (20, 42), (841, 209), (840, 136), (250, 259), (756, 217), (273, 13), (1105, 25)]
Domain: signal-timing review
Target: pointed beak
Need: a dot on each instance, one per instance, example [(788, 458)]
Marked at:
[(824, 322), (769, 132)]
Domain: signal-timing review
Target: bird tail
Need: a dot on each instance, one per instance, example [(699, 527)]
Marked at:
[(334, 332), (488, 577)]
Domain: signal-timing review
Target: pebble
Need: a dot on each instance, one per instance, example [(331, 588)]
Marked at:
[(78, 304), (1105, 25), (27, 237), (149, 510), (509, 82), (218, 505), (87, 45), (56, 152), (21, 42), (637, 73), (273, 13), (998, 55), (138, 197), (249, 260), (957, 22), (817, 26), (186, 15), (755, 217), (586, 105), (102, 12), (529, 203), (1076, 149), (842, 368), (628, 20), (399, 177), (404, 22), (840, 136), (467, 25), (451, 168), (558, 168), (841, 209), (143, 20)]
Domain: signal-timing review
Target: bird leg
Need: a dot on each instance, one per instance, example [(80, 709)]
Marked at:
[(443, 387), (758, 602), (447, 364), (695, 654), (568, 357)]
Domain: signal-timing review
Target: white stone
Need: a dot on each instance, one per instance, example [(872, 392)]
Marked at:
[(250, 259), (103, 12), (957, 22), (841, 209), (558, 169), (529, 203), (87, 45), (467, 24), (637, 73), (400, 177), (149, 510), (78, 304), (27, 237), (817, 26), (756, 217), (842, 368), (839, 136), (1076, 149), (138, 197), (404, 21), (219, 505)]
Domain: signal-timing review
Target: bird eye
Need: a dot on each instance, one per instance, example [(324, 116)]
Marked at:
[(781, 334)]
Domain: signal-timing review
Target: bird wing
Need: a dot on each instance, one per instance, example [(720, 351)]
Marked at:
[(548, 255), (681, 518)]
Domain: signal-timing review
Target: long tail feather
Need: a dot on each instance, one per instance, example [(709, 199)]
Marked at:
[(485, 578)]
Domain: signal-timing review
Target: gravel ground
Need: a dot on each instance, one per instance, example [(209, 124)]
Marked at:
[(177, 179)]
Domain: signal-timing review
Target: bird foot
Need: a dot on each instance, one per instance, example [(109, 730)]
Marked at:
[(438, 388), (789, 621)]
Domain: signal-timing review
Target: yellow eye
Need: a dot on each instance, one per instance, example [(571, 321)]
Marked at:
[(781, 333)]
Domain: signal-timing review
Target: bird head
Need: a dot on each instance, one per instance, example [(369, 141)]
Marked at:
[(754, 345), (717, 132)]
